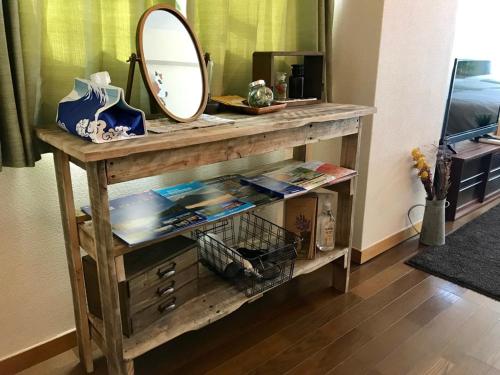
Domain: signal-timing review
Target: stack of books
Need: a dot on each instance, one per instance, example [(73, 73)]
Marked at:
[(297, 179)]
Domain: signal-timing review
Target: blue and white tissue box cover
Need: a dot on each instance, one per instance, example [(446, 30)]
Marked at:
[(99, 113)]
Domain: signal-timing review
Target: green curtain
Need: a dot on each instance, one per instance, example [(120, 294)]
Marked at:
[(44, 44), (231, 30), (65, 39), (16, 132), (52, 41), (325, 41)]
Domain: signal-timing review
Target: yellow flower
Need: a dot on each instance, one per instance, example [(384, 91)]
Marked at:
[(421, 163), (424, 175), (416, 154)]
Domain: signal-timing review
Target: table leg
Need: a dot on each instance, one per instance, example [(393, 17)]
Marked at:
[(68, 215), (349, 158), (106, 270)]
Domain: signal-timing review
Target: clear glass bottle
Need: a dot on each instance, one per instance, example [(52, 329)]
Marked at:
[(259, 95), (325, 235), (280, 86)]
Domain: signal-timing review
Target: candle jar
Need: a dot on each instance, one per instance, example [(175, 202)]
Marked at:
[(259, 95), (280, 86)]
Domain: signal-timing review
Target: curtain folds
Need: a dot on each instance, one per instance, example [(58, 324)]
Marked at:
[(325, 42), (16, 131), (232, 29), (44, 44)]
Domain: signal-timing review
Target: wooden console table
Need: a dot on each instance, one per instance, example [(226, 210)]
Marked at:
[(156, 154)]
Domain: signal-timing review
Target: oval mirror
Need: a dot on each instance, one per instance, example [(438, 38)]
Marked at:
[(172, 63)]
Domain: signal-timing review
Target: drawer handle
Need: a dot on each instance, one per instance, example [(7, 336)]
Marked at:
[(170, 271), (167, 306), (168, 289)]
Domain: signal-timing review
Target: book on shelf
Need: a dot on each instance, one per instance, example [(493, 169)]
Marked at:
[(339, 173), (205, 199), (270, 185), (147, 216), (301, 175), (247, 193), (299, 178), (300, 218)]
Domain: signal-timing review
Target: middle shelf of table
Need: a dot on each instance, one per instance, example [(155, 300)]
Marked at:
[(343, 186)]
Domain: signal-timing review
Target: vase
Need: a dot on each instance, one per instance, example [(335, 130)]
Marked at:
[(433, 233)]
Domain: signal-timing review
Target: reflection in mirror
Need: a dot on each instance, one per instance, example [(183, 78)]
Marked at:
[(172, 63)]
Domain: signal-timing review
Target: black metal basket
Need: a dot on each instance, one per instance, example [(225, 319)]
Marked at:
[(258, 256)]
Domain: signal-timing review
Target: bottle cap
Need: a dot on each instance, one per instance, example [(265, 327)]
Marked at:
[(259, 82), (297, 70)]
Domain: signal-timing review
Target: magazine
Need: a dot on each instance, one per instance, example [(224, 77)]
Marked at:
[(300, 175), (270, 185), (339, 173), (247, 193), (147, 216), (296, 179), (205, 199)]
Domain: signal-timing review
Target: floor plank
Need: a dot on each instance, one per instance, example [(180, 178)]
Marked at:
[(340, 326), (417, 299), (395, 320), (416, 350)]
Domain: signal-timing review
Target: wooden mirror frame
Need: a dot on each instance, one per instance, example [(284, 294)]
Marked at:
[(144, 71)]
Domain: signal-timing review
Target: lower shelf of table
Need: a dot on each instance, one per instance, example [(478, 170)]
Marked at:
[(217, 299)]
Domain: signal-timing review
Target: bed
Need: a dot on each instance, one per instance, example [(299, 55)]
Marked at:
[(475, 102)]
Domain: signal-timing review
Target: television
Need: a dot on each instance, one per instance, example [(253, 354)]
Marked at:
[(473, 104)]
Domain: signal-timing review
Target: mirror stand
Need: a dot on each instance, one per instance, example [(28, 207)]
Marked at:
[(153, 107), (131, 71)]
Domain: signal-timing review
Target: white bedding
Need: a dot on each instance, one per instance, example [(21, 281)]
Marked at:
[(475, 102)]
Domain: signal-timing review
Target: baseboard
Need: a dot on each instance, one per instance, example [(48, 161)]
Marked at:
[(362, 256), (38, 353)]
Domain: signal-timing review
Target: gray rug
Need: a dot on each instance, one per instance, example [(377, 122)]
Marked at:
[(470, 257)]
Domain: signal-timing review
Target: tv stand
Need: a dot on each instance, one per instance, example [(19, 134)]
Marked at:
[(490, 139), (474, 178)]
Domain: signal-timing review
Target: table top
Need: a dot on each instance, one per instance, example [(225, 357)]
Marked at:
[(244, 125)]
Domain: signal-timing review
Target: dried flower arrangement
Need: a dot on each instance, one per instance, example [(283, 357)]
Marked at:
[(436, 188)]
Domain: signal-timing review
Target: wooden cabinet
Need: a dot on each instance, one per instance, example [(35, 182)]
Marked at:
[(475, 177), (158, 279), (105, 164)]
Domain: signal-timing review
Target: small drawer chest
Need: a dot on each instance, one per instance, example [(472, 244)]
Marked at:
[(158, 279)]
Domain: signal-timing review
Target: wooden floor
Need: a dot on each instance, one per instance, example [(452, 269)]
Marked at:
[(395, 320)]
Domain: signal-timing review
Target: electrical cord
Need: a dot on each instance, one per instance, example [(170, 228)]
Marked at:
[(409, 217)]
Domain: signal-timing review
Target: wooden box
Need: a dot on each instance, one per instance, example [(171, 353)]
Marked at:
[(300, 218), (159, 278), (263, 67)]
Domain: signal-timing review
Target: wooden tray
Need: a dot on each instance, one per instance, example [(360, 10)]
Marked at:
[(237, 103)]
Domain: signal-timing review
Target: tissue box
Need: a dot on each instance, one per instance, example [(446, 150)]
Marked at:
[(97, 112)]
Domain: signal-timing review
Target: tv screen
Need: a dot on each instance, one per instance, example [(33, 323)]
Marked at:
[(473, 101)]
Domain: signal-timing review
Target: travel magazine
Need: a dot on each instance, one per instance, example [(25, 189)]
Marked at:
[(246, 193), (147, 216), (299, 178), (205, 199)]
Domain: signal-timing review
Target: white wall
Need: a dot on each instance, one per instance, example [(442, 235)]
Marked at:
[(356, 33), (412, 82), (478, 30), (396, 55)]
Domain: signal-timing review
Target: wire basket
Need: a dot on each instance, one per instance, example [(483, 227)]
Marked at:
[(258, 256)]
